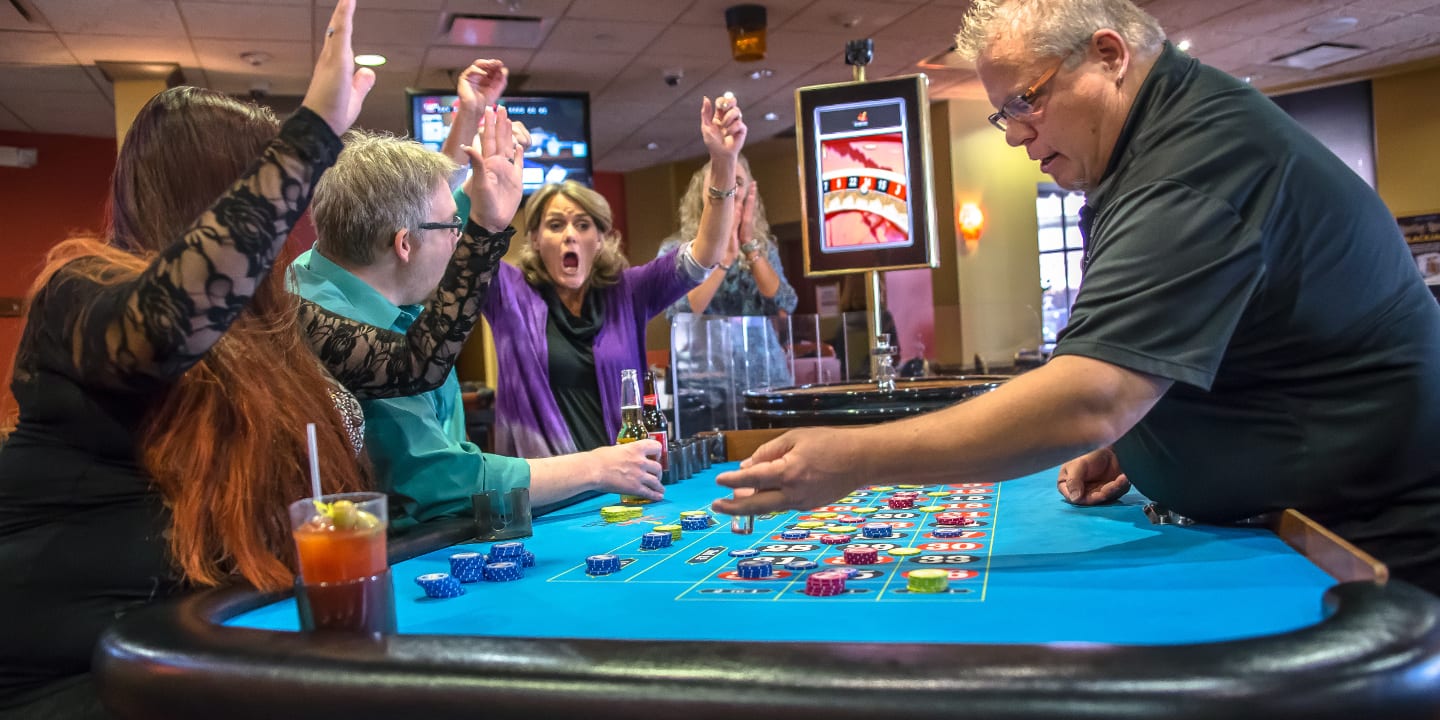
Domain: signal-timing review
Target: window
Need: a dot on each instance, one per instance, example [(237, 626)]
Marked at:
[(1061, 254)]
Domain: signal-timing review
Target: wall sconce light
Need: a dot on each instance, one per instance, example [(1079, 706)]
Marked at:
[(970, 221), (746, 24)]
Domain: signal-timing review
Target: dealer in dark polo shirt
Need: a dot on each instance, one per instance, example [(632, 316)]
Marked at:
[(1229, 251), (1251, 333)]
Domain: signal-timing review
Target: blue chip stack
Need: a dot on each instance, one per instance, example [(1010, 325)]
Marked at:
[(440, 585), (802, 565), (602, 564), (467, 567), (745, 553), (503, 571), (876, 530), (695, 523), (755, 569), (794, 534), (655, 540), (528, 560), (945, 531), (507, 552)]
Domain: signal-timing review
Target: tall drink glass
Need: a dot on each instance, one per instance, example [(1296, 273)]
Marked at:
[(344, 581)]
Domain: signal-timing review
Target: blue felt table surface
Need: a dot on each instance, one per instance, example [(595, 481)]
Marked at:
[(1044, 571)]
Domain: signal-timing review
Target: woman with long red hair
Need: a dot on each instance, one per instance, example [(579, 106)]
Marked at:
[(165, 378)]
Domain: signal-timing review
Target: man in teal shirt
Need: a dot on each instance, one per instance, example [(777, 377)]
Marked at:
[(387, 227)]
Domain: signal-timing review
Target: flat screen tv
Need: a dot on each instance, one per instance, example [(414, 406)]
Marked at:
[(866, 183), (559, 124)]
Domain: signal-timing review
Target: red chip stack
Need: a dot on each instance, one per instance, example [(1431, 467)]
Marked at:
[(825, 584)]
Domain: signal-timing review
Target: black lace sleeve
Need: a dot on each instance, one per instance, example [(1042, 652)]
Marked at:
[(376, 363), (158, 325)]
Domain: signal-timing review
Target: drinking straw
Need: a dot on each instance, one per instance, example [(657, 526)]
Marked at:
[(314, 461)]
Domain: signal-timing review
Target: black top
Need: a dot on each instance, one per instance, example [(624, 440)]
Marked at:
[(571, 340), (82, 532), (1229, 251)]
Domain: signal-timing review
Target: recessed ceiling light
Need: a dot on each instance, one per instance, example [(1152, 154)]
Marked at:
[(1333, 26), (1184, 45), (761, 74), (771, 116), (370, 60), (1318, 56), (652, 145)]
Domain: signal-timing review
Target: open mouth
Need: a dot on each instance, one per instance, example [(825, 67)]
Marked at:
[(570, 260), (1045, 161)]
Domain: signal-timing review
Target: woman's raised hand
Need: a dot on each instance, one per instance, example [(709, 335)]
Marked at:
[(337, 89), (722, 126)]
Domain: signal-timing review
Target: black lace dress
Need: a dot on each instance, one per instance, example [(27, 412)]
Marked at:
[(82, 532)]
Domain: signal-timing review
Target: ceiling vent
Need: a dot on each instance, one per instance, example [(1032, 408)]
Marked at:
[(1320, 55), (507, 31)]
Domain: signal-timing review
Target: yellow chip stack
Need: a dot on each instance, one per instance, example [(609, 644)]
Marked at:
[(674, 530), (928, 581), (615, 513)]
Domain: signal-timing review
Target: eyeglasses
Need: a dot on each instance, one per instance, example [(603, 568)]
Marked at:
[(454, 226), (1021, 107)]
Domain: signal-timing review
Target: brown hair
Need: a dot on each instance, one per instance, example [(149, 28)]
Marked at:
[(609, 262), (692, 204), (225, 445)]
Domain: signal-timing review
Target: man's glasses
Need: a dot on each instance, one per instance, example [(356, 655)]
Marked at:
[(454, 226), (1022, 106)]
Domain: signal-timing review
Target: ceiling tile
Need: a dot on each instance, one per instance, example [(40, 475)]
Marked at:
[(120, 48), (286, 59), (662, 11), (1399, 31), (451, 58), (8, 120), (33, 48), (87, 113), (243, 83), (692, 41), (854, 18), (589, 72), (643, 80), (1183, 15), (55, 78), (115, 17), (11, 19), (601, 35), (234, 20), (387, 27), (1260, 17)]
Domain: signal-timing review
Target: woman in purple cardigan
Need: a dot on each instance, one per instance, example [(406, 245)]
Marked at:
[(573, 314)]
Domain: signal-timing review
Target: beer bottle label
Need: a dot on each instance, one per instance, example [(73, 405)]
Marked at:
[(662, 437)]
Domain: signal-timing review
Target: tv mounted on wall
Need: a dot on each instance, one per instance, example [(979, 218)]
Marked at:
[(559, 124)]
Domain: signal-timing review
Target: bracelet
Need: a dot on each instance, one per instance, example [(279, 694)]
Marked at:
[(749, 247), (718, 194)]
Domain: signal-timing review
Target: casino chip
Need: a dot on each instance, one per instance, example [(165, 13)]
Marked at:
[(865, 510), (903, 551), (794, 534), (876, 530), (655, 540), (511, 551), (823, 515), (861, 556), (440, 585), (674, 530), (824, 584), (602, 564), (809, 525), (504, 571), (802, 565), (928, 581), (467, 567), (744, 553), (835, 539), (933, 508), (755, 569), (699, 522), (945, 532)]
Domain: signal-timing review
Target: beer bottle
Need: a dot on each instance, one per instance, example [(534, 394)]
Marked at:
[(632, 421), (655, 420)]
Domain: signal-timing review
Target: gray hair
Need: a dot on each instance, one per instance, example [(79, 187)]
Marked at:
[(693, 203), (1051, 28), (380, 184)]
